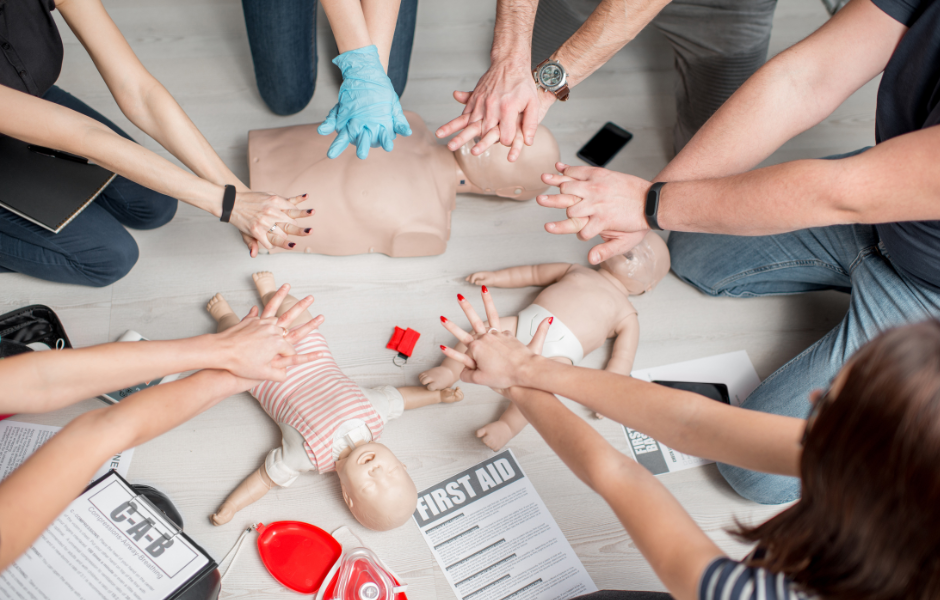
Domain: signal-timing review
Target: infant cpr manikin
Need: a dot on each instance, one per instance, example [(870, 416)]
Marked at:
[(397, 203)]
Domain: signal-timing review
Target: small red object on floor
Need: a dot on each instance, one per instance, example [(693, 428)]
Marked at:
[(403, 341), (297, 554)]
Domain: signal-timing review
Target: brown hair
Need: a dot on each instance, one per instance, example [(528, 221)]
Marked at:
[(868, 523)]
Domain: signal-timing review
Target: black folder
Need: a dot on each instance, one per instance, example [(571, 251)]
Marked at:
[(45, 186)]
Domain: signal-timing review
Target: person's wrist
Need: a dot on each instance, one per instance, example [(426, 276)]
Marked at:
[(527, 372)]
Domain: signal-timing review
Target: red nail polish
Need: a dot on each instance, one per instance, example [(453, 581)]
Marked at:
[(443, 319), (551, 320), (291, 245), (485, 291), (460, 298), (443, 347), (308, 230)]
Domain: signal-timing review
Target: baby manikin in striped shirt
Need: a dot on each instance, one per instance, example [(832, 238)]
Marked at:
[(330, 423)]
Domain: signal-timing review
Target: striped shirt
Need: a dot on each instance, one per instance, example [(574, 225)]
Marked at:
[(316, 399), (726, 579)]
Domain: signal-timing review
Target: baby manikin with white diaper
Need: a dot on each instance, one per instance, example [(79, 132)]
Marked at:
[(587, 306)]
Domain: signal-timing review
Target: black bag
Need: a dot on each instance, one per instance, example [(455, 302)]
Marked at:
[(30, 324)]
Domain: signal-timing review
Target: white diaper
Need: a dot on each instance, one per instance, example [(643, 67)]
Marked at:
[(560, 341)]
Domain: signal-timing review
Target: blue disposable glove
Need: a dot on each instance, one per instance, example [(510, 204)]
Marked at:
[(368, 113)]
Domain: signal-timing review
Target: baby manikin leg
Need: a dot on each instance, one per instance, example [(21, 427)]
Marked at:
[(222, 313), (266, 286)]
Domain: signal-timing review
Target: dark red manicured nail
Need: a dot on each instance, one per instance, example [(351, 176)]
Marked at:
[(308, 230), (442, 348), (551, 320), (304, 196), (443, 319), (485, 291), (460, 298), (291, 245), (310, 212)]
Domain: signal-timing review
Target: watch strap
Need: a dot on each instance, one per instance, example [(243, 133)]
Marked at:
[(228, 203), (651, 211)]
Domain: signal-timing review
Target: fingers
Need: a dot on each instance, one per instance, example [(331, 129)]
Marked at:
[(558, 200), (462, 97), (618, 245), (579, 173), (538, 340), (294, 311), (401, 125), (295, 230), (365, 142), (270, 309), (461, 335), (472, 130), (516, 149), (457, 124), (252, 313), (459, 357), (492, 316), (300, 213), (328, 125), (297, 199), (385, 139), (491, 137), (508, 117), (530, 122), (570, 225), (555, 180), (300, 332), (475, 322), (279, 240), (339, 144), (282, 362)]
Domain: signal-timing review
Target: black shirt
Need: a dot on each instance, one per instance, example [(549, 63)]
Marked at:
[(30, 46), (909, 100)]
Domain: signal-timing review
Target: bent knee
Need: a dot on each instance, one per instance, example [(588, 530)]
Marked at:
[(106, 264), (762, 488), (161, 211), (692, 259), (285, 103)]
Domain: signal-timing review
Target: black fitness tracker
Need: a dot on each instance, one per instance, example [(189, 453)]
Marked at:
[(228, 203), (652, 205)]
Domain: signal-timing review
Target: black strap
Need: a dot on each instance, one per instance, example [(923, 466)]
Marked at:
[(652, 205), (228, 203)]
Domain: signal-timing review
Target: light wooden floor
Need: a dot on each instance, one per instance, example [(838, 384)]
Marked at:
[(199, 50)]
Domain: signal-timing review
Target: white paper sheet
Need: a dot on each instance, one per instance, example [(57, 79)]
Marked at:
[(18, 440), (107, 545), (733, 369), (494, 538)]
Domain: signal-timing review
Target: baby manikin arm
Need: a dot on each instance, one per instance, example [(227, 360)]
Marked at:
[(628, 337), (517, 277), (248, 491)]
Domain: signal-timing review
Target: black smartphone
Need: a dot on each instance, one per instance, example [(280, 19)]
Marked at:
[(715, 391), (604, 145)]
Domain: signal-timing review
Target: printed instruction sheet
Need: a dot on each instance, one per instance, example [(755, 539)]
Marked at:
[(19, 440), (108, 544), (494, 538), (733, 370)]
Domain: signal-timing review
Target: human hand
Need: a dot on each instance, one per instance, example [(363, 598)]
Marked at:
[(368, 113), (256, 213), (494, 358), (598, 202), (261, 347), (505, 106)]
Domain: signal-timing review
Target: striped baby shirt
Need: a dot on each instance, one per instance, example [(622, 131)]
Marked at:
[(316, 398)]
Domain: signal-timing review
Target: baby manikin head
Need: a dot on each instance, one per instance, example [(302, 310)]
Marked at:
[(376, 487), (491, 173), (640, 269)]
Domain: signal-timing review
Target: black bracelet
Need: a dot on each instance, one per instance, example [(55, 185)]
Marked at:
[(228, 203), (652, 205)]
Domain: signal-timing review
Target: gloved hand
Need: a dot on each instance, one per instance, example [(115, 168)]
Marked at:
[(368, 113)]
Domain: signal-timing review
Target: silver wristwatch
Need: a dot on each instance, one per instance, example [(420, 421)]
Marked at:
[(552, 77)]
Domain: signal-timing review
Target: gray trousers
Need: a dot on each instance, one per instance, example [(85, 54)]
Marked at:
[(718, 44)]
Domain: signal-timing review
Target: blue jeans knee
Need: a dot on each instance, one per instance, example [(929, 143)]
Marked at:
[(761, 487)]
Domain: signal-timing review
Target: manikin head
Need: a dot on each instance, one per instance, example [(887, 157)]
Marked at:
[(640, 269), (491, 173), (376, 487)]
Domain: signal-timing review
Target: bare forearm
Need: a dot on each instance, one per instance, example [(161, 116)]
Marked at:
[(381, 17), (512, 34), (44, 381), (686, 422), (894, 181), (612, 25), (348, 24), (39, 490)]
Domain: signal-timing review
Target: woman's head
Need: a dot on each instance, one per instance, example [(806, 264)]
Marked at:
[(868, 523)]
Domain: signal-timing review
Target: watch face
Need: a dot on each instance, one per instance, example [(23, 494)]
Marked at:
[(551, 76)]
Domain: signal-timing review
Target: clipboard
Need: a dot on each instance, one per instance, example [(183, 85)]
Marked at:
[(111, 537), (45, 186)]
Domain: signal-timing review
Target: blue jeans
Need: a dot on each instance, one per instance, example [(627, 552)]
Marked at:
[(848, 258), (283, 39), (94, 249)]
